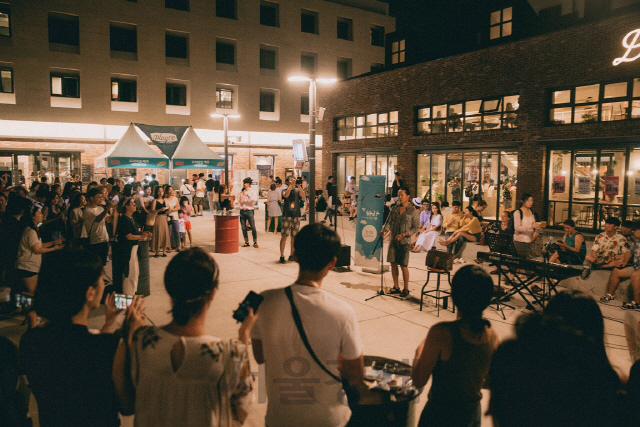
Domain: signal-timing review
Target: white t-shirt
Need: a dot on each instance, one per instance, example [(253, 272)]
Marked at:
[(97, 231), (351, 188), (27, 259), (200, 189), (171, 203), (181, 227), (292, 375), (186, 189)]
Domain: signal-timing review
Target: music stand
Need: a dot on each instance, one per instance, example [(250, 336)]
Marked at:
[(381, 292), (501, 244)]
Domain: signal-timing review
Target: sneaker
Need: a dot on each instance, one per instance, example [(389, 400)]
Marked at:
[(586, 272), (282, 261), (607, 298)]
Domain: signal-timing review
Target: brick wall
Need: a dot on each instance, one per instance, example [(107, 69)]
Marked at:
[(530, 67)]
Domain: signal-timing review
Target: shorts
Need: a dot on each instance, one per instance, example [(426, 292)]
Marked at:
[(24, 274), (198, 200), (399, 253), (187, 225), (290, 225)]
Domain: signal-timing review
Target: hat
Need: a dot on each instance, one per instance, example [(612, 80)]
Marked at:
[(417, 201)]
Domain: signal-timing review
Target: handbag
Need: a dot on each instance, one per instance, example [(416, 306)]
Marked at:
[(353, 395), (151, 219), (439, 260)]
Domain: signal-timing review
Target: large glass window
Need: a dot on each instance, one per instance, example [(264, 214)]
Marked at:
[(595, 103), (374, 125), (354, 165), (481, 114)]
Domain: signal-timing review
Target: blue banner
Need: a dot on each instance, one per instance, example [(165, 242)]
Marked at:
[(369, 221), (166, 138)]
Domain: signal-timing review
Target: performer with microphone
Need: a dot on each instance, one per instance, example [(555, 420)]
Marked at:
[(404, 221)]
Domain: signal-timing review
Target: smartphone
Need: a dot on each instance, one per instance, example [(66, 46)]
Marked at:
[(123, 301), (141, 192), (252, 300), (24, 302)]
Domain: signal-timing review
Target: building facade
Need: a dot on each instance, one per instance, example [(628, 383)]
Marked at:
[(554, 115), (76, 73)]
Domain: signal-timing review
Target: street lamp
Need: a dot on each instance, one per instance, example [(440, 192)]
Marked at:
[(312, 136), (226, 116)]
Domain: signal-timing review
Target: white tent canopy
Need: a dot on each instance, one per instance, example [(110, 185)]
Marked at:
[(192, 153), (131, 151)]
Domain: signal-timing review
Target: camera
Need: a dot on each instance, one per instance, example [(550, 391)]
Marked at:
[(299, 181), (252, 300), (123, 301)]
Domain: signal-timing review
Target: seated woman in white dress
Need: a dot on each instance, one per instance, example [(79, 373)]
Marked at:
[(177, 374), (431, 230)]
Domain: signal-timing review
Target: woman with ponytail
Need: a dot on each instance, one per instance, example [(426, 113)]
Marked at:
[(458, 354), (178, 374)]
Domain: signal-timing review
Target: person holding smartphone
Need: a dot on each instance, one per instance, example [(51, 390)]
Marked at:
[(572, 249)]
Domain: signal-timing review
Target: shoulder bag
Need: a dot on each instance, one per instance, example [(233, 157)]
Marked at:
[(353, 395)]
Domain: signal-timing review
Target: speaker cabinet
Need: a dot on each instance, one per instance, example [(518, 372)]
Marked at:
[(344, 256)]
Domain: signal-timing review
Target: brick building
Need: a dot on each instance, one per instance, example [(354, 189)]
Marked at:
[(548, 115), (75, 74)]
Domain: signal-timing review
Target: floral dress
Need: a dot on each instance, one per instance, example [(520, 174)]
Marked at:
[(211, 386)]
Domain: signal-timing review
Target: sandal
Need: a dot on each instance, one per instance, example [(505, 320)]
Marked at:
[(246, 245), (404, 293), (607, 298), (394, 290), (255, 244), (631, 306)]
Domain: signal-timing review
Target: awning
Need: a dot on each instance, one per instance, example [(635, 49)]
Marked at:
[(192, 153), (131, 151)]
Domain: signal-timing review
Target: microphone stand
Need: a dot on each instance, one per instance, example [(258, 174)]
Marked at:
[(381, 292)]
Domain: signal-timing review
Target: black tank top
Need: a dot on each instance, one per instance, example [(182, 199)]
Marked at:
[(160, 205)]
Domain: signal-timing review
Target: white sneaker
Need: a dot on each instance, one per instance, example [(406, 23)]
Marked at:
[(463, 261)]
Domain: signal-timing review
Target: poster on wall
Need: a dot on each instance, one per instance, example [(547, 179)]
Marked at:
[(611, 184), (369, 221), (558, 184), (584, 185)]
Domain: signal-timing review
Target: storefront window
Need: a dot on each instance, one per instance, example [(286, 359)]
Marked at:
[(424, 180), (471, 178), (489, 184), (508, 180), (454, 177), (559, 183), (354, 165), (373, 125), (633, 192), (359, 168), (438, 181), (611, 185)]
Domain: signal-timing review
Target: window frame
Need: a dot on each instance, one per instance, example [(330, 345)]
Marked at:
[(270, 5), (398, 51), (316, 21), (174, 85), (177, 35), (227, 42), (71, 18), (63, 76), (349, 23), (452, 120), (629, 98), (221, 104), (273, 95), (274, 51), (501, 23), (372, 38), (121, 80), (360, 126), (10, 70), (6, 9), (121, 26)]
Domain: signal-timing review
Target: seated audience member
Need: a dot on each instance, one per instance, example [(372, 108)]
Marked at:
[(553, 375), (469, 231), (626, 229), (608, 249), (572, 249), (502, 226), (458, 354), (626, 271), (331, 328), (69, 368), (425, 216), (430, 231), (179, 375)]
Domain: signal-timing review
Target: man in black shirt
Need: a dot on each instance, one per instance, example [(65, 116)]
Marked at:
[(397, 185), (153, 182), (211, 193), (290, 214), (68, 368)]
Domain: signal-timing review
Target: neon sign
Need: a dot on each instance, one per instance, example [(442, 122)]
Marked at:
[(630, 42)]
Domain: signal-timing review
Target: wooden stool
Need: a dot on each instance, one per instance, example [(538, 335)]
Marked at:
[(437, 293)]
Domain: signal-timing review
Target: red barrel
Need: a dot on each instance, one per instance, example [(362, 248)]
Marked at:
[(227, 234)]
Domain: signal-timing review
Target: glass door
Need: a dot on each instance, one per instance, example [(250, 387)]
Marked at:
[(454, 179)]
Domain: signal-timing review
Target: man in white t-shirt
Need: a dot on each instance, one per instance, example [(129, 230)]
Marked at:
[(95, 216), (198, 200), (299, 391)]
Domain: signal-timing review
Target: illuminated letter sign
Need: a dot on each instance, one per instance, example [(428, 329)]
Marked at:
[(630, 42)]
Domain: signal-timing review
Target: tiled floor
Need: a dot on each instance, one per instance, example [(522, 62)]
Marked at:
[(389, 327)]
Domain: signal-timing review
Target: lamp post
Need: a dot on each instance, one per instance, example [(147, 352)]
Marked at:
[(226, 142), (312, 137)]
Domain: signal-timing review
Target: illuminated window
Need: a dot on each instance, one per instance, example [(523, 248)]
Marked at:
[(373, 125), (501, 23), (224, 98), (6, 80), (398, 52), (123, 90), (469, 116), (5, 21), (65, 85)]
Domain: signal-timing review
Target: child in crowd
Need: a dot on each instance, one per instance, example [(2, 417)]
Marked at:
[(186, 209), (181, 228)]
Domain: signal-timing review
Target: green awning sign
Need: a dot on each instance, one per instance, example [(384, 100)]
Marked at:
[(137, 162), (198, 164)]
